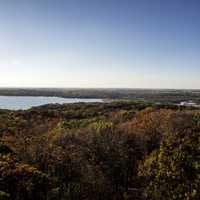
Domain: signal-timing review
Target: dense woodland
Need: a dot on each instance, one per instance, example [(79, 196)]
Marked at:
[(100, 151)]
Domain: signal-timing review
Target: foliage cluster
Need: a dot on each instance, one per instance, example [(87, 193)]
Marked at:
[(120, 150)]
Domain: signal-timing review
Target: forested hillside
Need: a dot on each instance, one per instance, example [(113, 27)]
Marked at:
[(100, 151)]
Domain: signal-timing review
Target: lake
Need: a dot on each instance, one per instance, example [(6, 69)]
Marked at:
[(26, 102)]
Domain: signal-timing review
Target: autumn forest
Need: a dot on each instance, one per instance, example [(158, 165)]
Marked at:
[(123, 150)]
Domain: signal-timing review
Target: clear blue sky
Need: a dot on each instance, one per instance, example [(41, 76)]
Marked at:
[(100, 43)]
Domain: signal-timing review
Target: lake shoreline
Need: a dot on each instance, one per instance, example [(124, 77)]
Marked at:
[(27, 102)]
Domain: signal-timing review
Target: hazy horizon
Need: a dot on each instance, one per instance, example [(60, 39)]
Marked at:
[(131, 88), (130, 44)]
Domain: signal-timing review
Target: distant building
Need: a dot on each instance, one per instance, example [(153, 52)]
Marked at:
[(189, 103)]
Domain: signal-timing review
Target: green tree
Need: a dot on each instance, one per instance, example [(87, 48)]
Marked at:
[(174, 171), (20, 181)]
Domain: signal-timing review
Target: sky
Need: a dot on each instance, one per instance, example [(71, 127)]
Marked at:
[(100, 43)]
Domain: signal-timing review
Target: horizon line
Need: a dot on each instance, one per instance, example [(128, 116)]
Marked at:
[(97, 88)]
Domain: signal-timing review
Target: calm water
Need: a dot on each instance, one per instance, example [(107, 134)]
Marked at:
[(26, 102)]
